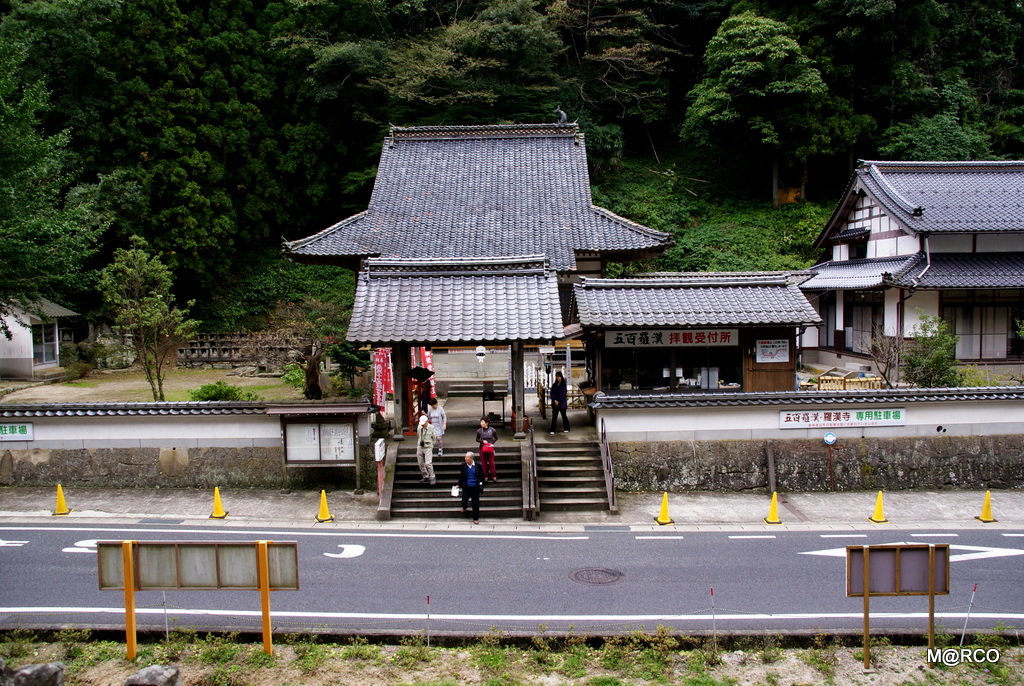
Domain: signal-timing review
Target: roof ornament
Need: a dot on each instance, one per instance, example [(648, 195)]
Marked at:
[(918, 211), (562, 118)]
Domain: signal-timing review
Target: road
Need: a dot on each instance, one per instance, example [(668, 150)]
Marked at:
[(371, 582)]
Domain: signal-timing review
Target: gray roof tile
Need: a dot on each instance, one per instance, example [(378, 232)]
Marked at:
[(636, 400), (694, 300), (481, 191), (938, 197), (863, 273), (456, 301), (964, 270)]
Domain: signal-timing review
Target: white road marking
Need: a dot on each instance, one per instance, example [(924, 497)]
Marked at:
[(979, 552), (11, 544), (1013, 616), (844, 535), (336, 534), (751, 537), (935, 535), (86, 546), (348, 551), (1010, 535)]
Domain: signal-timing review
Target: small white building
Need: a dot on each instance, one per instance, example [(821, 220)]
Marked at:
[(907, 239), (34, 346)]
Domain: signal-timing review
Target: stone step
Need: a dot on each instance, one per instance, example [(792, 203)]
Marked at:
[(574, 504), (559, 469), (455, 512), (550, 492)]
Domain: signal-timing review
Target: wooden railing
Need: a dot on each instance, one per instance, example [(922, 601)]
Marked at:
[(609, 471), (853, 383)]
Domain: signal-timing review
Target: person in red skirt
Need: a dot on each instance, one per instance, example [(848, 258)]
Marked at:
[(487, 437)]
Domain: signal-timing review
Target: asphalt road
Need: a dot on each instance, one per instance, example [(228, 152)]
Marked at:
[(371, 582)]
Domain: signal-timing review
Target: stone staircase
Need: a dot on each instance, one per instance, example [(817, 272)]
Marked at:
[(410, 498), (570, 477), (471, 388)]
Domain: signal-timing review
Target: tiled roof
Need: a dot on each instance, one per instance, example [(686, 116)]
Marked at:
[(864, 273), (964, 270), (481, 191), (132, 409), (940, 197), (456, 300), (694, 299), (633, 400), (217, 407)]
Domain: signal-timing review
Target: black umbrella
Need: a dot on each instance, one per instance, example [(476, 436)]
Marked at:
[(420, 373)]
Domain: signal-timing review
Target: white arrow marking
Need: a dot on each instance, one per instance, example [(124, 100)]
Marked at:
[(11, 544), (86, 546), (980, 553), (348, 551)]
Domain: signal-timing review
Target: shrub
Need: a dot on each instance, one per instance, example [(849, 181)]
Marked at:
[(76, 370), (222, 391), (294, 376)]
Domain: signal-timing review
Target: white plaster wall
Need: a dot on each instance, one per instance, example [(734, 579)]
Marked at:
[(16, 354), (926, 301), (891, 312), (761, 422), (179, 431), (1000, 242), (958, 243)]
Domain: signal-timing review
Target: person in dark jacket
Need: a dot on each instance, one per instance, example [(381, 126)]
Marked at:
[(471, 481), (559, 397), (486, 437)]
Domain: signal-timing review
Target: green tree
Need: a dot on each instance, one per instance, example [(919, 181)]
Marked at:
[(618, 54), (758, 88), (45, 233), (137, 289), (929, 359)]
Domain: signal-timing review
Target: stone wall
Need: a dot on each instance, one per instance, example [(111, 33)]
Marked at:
[(241, 467), (896, 463)]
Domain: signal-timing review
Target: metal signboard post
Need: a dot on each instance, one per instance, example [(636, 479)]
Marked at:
[(132, 566), (897, 570)]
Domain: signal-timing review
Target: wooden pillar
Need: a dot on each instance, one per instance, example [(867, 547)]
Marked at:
[(400, 364), (518, 404)]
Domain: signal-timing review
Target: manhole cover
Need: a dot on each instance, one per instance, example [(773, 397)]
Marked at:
[(597, 576)]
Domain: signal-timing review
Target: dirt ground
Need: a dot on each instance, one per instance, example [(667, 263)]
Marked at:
[(361, 664), (131, 386)]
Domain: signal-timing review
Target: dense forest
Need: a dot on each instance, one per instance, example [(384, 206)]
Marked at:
[(214, 129)]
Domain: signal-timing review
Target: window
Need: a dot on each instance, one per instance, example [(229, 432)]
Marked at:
[(984, 320), (863, 311), (44, 343)]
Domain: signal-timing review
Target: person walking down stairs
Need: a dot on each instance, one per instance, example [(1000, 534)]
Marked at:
[(425, 450), (471, 481), (486, 437), (559, 400)]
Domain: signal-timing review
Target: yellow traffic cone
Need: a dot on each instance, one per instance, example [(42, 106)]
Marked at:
[(879, 516), (663, 517), (62, 506), (986, 510), (325, 514), (218, 509), (773, 511)]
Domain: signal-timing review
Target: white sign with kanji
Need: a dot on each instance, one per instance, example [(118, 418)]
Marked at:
[(21, 431), (775, 350), (816, 419)]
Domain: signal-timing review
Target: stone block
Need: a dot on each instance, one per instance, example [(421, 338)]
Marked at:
[(155, 675)]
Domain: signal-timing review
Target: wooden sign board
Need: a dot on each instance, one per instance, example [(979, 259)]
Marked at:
[(199, 566), (896, 570)]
